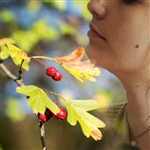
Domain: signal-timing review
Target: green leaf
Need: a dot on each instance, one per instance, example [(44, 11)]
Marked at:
[(77, 111), (90, 119), (4, 53), (72, 115), (3, 49), (87, 105), (38, 99), (85, 128), (13, 50), (18, 55)]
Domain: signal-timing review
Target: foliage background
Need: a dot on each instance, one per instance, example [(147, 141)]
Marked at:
[(48, 28)]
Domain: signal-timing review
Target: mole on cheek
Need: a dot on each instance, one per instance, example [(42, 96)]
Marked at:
[(136, 46)]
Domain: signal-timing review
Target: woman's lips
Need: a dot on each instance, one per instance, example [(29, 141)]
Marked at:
[(92, 33)]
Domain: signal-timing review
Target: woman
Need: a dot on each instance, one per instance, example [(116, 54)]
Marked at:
[(119, 39)]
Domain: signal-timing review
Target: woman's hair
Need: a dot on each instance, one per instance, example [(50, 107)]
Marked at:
[(147, 129)]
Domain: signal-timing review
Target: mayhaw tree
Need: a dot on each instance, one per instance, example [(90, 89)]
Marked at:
[(42, 101)]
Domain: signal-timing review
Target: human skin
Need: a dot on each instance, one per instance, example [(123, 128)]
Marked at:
[(119, 39)]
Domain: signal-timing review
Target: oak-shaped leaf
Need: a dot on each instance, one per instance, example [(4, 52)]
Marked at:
[(37, 99), (88, 122), (18, 55), (79, 69)]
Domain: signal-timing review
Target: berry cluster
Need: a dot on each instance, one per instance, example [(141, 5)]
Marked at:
[(49, 114), (54, 73)]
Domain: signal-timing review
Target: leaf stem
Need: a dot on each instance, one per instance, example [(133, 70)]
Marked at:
[(43, 57), (54, 99), (58, 95), (52, 95), (40, 62)]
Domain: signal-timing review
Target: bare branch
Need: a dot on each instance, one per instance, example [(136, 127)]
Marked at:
[(19, 81), (10, 75), (42, 135), (21, 71)]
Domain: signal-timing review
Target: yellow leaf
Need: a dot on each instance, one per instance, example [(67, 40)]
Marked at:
[(18, 55), (6, 40), (79, 69), (22, 55), (96, 134), (16, 52), (76, 55)]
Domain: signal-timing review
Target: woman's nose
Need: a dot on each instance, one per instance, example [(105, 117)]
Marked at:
[(96, 9)]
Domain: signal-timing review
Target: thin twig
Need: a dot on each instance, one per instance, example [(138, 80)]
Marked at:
[(58, 95), (52, 97), (40, 62), (42, 135), (21, 71)]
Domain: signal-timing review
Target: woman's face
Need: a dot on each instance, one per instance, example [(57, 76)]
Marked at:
[(119, 35)]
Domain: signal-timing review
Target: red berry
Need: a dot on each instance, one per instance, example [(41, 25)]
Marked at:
[(50, 71), (57, 76), (46, 116), (62, 114)]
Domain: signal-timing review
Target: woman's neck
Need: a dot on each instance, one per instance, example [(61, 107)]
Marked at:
[(137, 88)]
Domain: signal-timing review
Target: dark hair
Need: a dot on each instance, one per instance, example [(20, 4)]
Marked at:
[(147, 129)]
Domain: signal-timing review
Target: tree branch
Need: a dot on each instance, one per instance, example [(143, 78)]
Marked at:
[(19, 82), (42, 134), (10, 75)]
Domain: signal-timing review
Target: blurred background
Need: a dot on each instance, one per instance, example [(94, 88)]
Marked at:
[(51, 28)]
